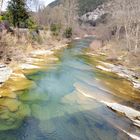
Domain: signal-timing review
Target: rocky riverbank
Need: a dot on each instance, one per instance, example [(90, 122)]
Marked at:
[(121, 71), (12, 77), (5, 73), (115, 63)]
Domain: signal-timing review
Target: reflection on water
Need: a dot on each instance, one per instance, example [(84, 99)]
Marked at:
[(55, 110)]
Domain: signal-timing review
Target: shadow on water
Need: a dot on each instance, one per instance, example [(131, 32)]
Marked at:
[(77, 126)]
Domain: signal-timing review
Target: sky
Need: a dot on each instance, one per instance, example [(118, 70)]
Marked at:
[(44, 2)]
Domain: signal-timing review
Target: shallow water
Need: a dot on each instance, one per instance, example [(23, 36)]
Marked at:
[(54, 109)]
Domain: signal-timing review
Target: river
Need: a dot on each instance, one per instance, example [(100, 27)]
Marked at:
[(70, 102)]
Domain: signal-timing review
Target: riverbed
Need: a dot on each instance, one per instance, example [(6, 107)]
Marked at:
[(72, 101)]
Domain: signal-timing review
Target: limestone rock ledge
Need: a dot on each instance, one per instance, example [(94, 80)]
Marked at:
[(121, 71), (5, 73)]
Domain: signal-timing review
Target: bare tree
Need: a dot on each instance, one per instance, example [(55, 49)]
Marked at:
[(1, 4), (70, 8), (126, 14)]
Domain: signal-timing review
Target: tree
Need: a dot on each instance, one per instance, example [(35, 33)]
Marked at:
[(70, 8), (18, 13), (1, 3), (126, 14)]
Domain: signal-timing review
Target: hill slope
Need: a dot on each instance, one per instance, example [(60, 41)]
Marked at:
[(84, 5)]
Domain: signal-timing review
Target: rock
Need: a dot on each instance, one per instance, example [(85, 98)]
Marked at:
[(58, 47), (121, 71), (136, 84), (103, 68), (127, 111), (5, 73), (42, 52), (11, 104), (92, 18), (29, 66), (133, 136)]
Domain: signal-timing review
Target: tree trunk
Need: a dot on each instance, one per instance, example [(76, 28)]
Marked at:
[(137, 38)]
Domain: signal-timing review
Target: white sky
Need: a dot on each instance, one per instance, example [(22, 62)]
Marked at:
[(45, 2)]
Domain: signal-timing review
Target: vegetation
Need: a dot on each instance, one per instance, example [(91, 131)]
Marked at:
[(61, 18), (123, 24), (55, 28), (18, 13), (88, 5), (68, 32), (84, 5), (129, 21), (120, 34)]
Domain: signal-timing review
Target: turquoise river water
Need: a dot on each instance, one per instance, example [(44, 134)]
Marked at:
[(58, 107)]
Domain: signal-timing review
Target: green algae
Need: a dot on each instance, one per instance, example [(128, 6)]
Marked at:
[(36, 76), (9, 120), (119, 86), (33, 95), (12, 112), (12, 120), (24, 111), (69, 117), (11, 104)]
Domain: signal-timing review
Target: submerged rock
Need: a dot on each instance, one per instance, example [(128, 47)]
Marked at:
[(11, 104), (127, 111), (33, 95), (12, 120)]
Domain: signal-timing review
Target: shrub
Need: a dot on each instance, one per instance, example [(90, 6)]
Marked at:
[(1, 18), (31, 24), (68, 32), (55, 28)]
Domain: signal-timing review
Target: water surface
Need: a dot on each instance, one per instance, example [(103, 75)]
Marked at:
[(54, 109)]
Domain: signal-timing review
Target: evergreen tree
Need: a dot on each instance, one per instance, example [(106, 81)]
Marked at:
[(18, 13)]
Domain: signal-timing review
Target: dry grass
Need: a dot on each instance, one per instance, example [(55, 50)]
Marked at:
[(14, 48), (117, 52)]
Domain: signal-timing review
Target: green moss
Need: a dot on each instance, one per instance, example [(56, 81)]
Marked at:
[(12, 120), (11, 104), (33, 95), (24, 111), (9, 120)]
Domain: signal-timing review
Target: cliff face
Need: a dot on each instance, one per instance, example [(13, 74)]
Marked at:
[(96, 16), (90, 11), (84, 6)]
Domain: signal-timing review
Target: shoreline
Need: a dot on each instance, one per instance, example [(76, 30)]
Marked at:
[(13, 76), (126, 111), (114, 67)]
